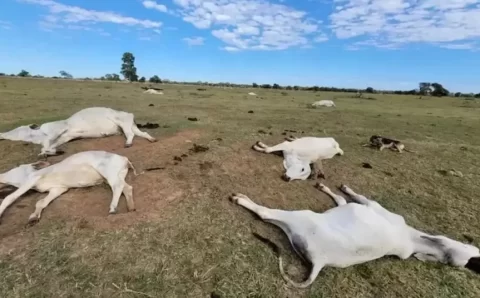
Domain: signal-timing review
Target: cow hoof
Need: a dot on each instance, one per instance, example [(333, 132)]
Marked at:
[(153, 140), (128, 145), (32, 221)]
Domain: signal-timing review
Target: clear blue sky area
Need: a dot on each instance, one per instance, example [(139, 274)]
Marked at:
[(385, 44)]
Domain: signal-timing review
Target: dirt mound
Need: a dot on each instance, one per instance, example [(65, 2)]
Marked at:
[(151, 190)]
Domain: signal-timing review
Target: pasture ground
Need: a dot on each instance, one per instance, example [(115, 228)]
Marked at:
[(187, 239)]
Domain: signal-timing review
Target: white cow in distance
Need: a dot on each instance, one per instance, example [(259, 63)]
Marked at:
[(355, 233), (92, 122), (323, 103), (303, 156), (83, 169)]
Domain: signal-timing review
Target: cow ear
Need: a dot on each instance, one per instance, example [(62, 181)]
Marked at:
[(40, 165)]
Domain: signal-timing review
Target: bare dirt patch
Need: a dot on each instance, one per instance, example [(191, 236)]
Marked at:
[(152, 190)]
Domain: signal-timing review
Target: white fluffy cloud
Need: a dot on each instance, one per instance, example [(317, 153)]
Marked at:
[(391, 23), (194, 41), (252, 24), (154, 5), (71, 17)]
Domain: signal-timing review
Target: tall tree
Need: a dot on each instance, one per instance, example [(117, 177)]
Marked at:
[(129, 71), (23, 73), (438, 90), (65, 74), (424, 88)]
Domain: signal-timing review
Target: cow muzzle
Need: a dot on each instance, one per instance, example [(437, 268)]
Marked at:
[(286, 178)]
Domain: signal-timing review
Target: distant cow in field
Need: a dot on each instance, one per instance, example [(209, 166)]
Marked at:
[(355, 233), (303, 156), (83, 169), (92, 122), (323, 103)]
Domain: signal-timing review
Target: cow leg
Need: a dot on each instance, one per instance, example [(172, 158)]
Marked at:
[(356, 197), (116, 180), (261, 147), (8, 200), (128, 193), (51, 149), (128, 131), (142, 134), (43, 203), (339, 200), (317, 170)]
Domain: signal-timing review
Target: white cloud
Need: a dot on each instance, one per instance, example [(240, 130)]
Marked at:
[(194, 41), (392, 23), (251, 24), (459, 46), (67, 16), (154, 5)]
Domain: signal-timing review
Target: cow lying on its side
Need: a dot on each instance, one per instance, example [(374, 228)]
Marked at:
[(356, 233), (83, 169), (299, 154), (93, 122)]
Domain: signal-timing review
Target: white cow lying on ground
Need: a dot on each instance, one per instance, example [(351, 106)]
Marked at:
[(83, 169), (351, 234), (93, 122), (323, 103), (299, 154)]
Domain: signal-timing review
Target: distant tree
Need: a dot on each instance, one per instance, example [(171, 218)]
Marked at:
[(65, 74), (129, 71), (142, 80), (296, 88), (115, 77), (23, 73), (112, 77), (369, 90), (255, 85), (276, 86), (477, 95), (458, 94), (438, 90), (289, 88), (424, 88), (2, 74), (155, 79), (266, 86)]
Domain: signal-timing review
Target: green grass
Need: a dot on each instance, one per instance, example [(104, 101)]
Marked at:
[(188, 240)]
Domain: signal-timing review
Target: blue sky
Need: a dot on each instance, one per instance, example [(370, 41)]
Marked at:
[(386, 44)]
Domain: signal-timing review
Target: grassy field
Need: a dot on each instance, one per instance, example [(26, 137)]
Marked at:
[(187, 239)]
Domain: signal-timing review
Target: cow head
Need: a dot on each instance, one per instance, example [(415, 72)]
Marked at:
[(296, 169), (27, 133), (18, 175), (456, 253)]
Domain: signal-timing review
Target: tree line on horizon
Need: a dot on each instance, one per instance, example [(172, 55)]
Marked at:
[(129, 72)]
